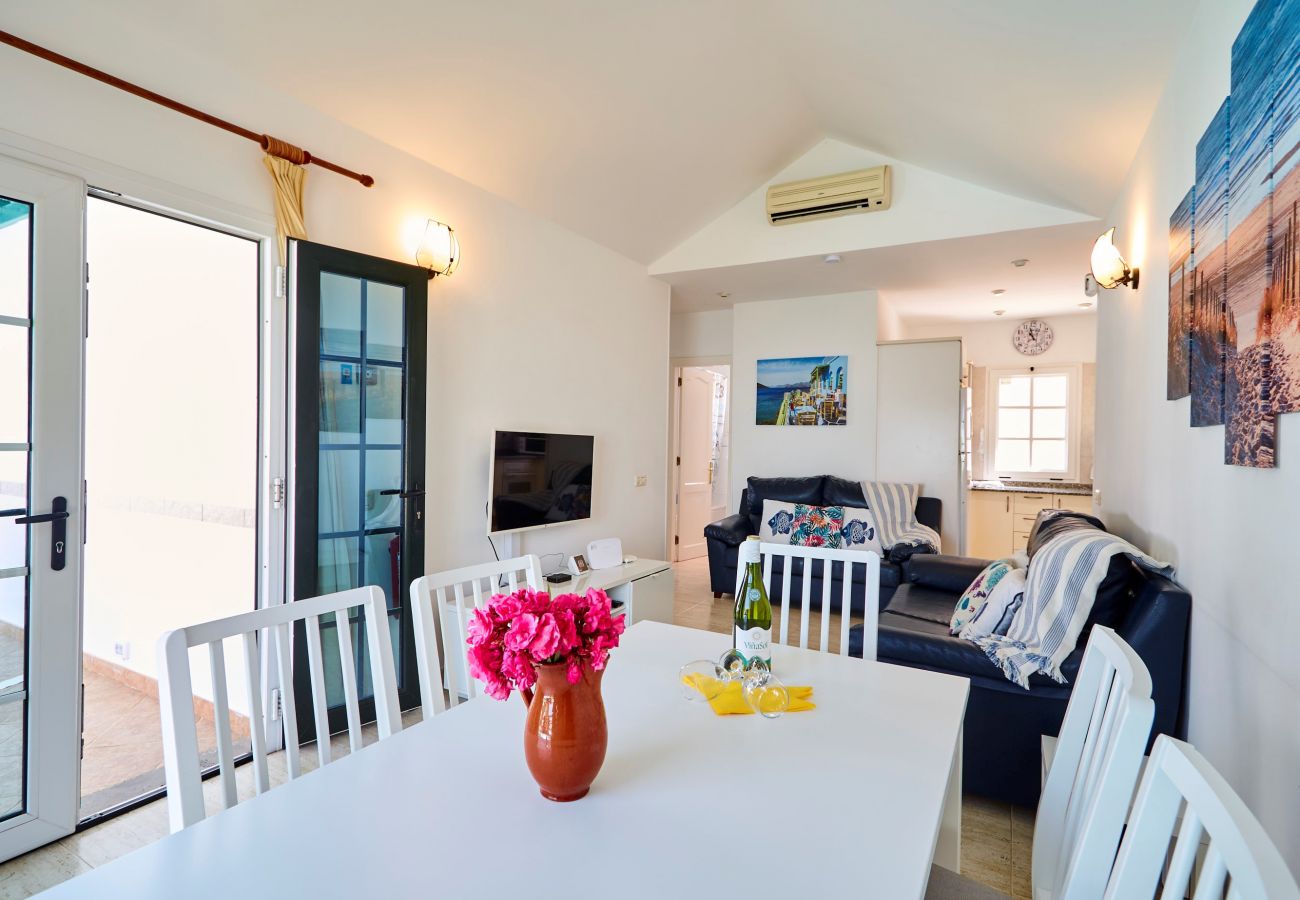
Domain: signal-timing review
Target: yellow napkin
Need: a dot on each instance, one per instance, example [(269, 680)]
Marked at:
[(731, 701)]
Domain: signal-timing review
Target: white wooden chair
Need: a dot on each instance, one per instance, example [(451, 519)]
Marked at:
[(845, 561), (461, 590), (1240, 863), (180, 740), (1086, 797)]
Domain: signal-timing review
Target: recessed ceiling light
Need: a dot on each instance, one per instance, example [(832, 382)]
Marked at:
[(1019, 263), (999, 312), (831, 258), (1085, 306), (998, 291), (724, 294)]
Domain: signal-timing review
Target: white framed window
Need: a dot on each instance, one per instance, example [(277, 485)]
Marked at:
[(1034, 418)]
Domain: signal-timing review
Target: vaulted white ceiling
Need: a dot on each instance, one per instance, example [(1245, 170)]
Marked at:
[(637, 123)]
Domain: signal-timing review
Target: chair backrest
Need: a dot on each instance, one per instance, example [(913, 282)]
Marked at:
[(275, 623), (846, 562), (1240, 859), (1098, 757), (440, 606)]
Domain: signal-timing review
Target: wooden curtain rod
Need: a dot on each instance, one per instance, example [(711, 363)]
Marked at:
[(273, 146)]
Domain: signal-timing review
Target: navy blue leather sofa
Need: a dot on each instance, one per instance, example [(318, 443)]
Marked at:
[(1004, 722), (726, 535)]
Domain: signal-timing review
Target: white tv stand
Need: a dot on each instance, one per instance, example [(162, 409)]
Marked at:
[(644, 586)]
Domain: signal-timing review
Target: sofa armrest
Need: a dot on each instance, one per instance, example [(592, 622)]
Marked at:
[(733, 530), (943, 573)]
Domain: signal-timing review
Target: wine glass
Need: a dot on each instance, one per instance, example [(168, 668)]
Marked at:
[(764, 692), (733, 663), (702, 680)]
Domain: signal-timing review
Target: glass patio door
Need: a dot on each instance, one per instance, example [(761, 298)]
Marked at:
[(42, 284), (357, 488)]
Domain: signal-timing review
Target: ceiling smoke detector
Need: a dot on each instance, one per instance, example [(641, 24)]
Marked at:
[(831, 258), (1085, 305), (999, 291), (724, 294), (999, 312), (1019, 263)]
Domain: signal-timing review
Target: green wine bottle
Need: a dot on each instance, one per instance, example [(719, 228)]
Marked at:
[(753, 619)]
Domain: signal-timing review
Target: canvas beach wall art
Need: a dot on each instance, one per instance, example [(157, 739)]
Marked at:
[(1234, 253), (802, 390)]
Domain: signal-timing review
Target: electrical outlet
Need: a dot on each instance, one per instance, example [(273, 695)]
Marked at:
[(122, 649), (641, 481)]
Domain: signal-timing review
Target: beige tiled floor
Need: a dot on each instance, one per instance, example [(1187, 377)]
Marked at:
[(996, 838)]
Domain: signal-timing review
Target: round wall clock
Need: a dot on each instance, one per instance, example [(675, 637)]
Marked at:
[(1032, 337)]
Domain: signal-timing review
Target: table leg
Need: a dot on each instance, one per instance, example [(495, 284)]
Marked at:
[(947, 851)]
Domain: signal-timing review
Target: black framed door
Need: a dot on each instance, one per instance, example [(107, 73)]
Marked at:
[(358, 414)]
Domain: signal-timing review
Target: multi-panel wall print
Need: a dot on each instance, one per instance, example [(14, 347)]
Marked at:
[(1234, 259)]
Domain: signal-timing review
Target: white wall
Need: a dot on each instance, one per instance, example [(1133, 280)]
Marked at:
[(1231, 531), (889, 324), (700, 334), (838, 324), (926, 206), (540, 328), (988, 343)]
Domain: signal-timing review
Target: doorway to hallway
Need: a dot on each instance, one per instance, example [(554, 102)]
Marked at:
[(701, 428)]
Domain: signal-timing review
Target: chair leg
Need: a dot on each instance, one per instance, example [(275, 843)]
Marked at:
[(717, 595)]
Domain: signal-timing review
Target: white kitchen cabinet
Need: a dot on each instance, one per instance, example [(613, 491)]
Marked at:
[(999, 522)]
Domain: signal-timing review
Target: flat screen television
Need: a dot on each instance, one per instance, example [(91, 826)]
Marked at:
[(539, 479)]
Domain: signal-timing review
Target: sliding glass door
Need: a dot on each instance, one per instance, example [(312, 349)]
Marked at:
[(358, 477), (41, 509)]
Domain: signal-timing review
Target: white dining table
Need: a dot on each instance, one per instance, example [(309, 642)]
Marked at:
[(852, 799)]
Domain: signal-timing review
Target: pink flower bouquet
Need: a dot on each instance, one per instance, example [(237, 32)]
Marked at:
[(514, 633)]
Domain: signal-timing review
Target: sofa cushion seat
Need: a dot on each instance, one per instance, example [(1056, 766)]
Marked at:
[(924, 603), (914, 630)]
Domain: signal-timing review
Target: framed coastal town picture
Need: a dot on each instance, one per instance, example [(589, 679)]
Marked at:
[(802, 390)]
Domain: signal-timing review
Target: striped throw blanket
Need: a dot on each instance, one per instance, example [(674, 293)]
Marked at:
[(893, 506), (1060, 590)]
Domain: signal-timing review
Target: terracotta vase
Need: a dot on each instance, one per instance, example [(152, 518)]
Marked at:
[(565, 734)]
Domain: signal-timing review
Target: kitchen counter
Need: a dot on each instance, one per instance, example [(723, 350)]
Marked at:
[(1033, 487)]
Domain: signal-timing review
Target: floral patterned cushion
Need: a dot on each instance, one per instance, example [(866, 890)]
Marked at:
[(978, 592), (817, 526)]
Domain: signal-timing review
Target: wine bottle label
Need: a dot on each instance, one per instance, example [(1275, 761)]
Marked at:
[(754, 643)]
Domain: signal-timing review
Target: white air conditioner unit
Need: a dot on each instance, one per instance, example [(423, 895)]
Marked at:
[(866, 190)]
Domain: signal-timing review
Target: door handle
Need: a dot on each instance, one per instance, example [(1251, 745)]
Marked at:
[(405, 495), (414, 494), (58, 519)]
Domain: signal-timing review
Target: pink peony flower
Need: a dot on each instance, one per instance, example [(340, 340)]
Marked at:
[(522, 631), (547, 639), (480, 626), (568, 627), (574, 671), (519, 669)]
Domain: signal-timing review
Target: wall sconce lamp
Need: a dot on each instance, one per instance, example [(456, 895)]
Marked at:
[(1109, 268), (439, 251)]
